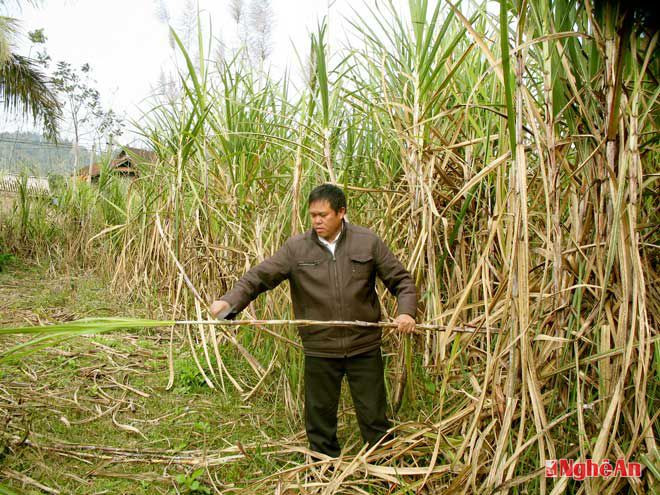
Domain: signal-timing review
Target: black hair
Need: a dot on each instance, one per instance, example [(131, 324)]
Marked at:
[(330, 193)]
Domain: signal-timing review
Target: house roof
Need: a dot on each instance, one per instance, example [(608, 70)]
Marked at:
[(139, 154), (123, 162)]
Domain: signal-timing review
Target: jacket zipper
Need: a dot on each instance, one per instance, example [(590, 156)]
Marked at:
[(338, 298)]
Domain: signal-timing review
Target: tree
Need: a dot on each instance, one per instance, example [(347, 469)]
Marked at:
[(24, 88), (82, 102)]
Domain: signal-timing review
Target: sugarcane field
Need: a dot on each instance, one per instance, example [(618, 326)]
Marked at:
[(377, 247)]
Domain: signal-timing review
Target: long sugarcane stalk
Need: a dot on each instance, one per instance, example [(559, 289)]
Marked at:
[(106, 324), (46, 335), (339, 323)]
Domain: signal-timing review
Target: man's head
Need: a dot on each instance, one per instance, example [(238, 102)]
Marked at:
[(327, 207)]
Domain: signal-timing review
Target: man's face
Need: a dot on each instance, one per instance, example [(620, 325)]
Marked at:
[(325, 220)]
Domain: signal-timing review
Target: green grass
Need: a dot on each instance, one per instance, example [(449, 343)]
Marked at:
[(200, 417), (39, 393)]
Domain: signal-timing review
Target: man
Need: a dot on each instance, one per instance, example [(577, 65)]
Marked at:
[(332, 272)]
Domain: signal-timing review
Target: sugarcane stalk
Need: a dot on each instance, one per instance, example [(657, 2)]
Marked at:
[(102, 324)]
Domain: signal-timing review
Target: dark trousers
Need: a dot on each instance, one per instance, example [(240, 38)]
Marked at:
[(366, 380)]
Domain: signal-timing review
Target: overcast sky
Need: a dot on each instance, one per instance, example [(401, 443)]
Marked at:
[(126, 41)]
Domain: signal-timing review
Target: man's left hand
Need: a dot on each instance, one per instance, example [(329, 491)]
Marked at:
[(406, 323)]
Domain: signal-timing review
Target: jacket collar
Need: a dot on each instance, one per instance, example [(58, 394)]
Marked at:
[(311, 233)]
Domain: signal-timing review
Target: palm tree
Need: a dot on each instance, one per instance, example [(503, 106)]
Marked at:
[(24, 89)]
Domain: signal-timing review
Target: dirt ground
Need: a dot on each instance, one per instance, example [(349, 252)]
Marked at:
[(92, 415)]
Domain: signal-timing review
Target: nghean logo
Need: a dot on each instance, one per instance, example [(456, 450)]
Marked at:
[(589, 469)]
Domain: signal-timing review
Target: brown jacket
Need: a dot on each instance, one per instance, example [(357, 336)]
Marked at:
[(327, 287)]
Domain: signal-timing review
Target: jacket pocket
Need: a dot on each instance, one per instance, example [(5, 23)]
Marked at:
[(308, 264), (361, 265), (310, 272)]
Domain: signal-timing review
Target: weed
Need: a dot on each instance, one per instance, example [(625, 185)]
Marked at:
[(5, 260), (189, 378), (190, 485)]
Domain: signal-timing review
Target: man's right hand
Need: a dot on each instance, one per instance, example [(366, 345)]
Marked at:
[(218, 307)]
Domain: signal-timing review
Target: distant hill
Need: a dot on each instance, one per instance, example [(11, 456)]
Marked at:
[(21, 150)]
